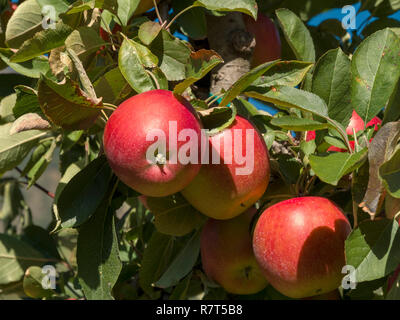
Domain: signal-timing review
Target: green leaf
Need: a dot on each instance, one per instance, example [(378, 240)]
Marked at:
[(6, 108), (394, 293), (173, 55), (98, 259), (40, 239), (180, 291), (15, 257), (156, 258), (126, 9), (27, 101), (148, 31), (32, 68), (217, 119), (66, 105), (389, 172), (14, 148), (174, 215), (245, 108), (193, 23), (383, 8), (375, 72), (331, 81), (201, 62), (13, 202), (296, 34), (182, 264), (112, 87), (288, 97), (332, 167), (284, 73), (42, 42), (24, 23), (132, 67), (370, 249), (380, 151), (84, 41), (246, 6), (392, 110), (298, 124), (379, 24), (247, 79), (60, 6), (39, 161), (83, 194), (392, 207)]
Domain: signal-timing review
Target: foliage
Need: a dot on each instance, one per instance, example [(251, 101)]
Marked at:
[(103, 242)]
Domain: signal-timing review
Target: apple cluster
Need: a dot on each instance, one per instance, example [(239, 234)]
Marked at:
[(297, 245)]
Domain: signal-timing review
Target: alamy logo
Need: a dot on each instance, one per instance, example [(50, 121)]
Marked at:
[(233, 147), (349, 20), (49, 280), (49, 17), (349, 280)]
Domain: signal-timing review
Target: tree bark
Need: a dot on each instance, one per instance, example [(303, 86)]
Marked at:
[(227, 36)]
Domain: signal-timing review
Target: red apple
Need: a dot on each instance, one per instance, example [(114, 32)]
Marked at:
[(355, 123), (227, 255), (131, 137), (268, 42), (299, 244), (224, 190)]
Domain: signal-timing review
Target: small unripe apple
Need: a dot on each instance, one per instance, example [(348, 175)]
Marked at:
[(131, 136), (226, 189), (299, 244), (268, 42), (227, 255)]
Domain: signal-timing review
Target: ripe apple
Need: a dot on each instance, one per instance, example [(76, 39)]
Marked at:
[(227, 255), (222, 190), (268, 42), (127, 142), (355, 123), (299, 244)]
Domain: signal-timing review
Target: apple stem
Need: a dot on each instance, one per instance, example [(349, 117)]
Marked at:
[(104, 114), (215, 99), (310, 184)]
